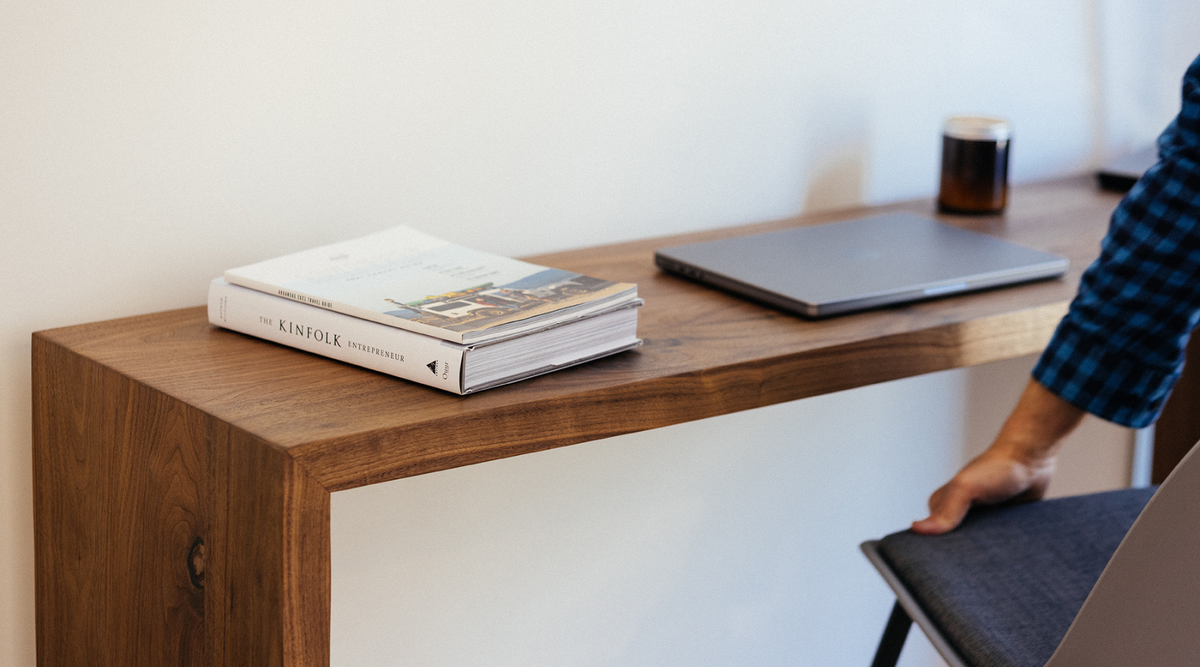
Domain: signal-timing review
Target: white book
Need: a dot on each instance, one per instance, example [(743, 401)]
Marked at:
[(453, 367), (407, 279)]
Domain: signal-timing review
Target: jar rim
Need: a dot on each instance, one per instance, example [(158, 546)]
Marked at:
[(977, 128)]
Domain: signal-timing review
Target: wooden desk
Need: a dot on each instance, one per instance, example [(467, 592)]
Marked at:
[(182, 472)]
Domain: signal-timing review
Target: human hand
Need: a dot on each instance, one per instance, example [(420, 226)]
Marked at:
[(992, 477), (1018, 465)]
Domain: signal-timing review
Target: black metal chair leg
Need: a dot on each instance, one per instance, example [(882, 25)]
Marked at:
[(893, 638)]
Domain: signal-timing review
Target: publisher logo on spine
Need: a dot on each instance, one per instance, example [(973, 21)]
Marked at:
[(439, 369)]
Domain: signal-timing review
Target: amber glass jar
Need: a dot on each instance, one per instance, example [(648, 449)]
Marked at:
[(974, 165)]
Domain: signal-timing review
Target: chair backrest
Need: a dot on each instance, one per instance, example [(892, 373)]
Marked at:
[(1145, 608)]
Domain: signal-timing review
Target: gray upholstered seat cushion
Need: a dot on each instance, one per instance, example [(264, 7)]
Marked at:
[(1005, 586)]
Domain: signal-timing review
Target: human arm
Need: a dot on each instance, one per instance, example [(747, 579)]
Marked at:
[(1119, 350)]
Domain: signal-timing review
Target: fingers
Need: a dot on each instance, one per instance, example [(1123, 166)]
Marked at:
[(990, 478), (947, 507)]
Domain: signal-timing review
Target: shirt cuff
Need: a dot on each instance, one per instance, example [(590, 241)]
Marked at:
[(1086, 373)]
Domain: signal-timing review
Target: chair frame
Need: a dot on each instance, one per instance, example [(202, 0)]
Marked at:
[(905, 612)]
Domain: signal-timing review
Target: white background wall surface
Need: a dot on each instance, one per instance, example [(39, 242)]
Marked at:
[(147, 146)]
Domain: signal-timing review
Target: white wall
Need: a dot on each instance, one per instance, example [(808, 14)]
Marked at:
[(731, 541), (144, 147)]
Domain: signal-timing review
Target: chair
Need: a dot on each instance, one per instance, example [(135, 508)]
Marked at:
[(1101, 580)]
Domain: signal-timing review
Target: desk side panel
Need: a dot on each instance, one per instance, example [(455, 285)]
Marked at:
[(165, 537), (270, 577), (119, 498)]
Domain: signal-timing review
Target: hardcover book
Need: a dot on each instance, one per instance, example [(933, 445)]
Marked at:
[(407, 279), (405, 303)]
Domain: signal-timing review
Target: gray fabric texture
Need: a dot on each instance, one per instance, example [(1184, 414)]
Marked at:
[(1005, 586)]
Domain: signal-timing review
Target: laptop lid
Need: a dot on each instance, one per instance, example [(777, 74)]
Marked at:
[(853, 265)]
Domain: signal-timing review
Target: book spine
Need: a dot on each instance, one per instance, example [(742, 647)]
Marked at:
[(397, 352)]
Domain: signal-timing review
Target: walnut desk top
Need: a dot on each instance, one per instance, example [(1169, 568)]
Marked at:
[(163, 443)]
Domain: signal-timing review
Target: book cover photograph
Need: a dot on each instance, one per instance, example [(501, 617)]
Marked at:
[(488, 304), (405, 278)]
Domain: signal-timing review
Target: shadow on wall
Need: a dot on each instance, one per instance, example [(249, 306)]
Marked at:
[(838, 131)]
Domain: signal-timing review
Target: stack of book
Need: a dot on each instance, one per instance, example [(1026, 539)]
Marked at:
[(414, 306)]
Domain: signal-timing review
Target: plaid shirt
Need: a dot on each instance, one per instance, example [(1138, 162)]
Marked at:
[(1119, 350)]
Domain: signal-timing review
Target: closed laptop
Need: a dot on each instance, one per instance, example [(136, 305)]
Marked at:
[(852, 265)]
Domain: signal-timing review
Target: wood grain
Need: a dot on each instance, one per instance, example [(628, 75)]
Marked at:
[(164, 536), (69, 525), (307, 573), (118, 502), (269, 570)]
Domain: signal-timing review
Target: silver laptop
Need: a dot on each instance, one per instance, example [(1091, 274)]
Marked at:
[(857, 264)]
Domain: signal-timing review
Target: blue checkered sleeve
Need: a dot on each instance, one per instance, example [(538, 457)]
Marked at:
[(1119, 350)]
